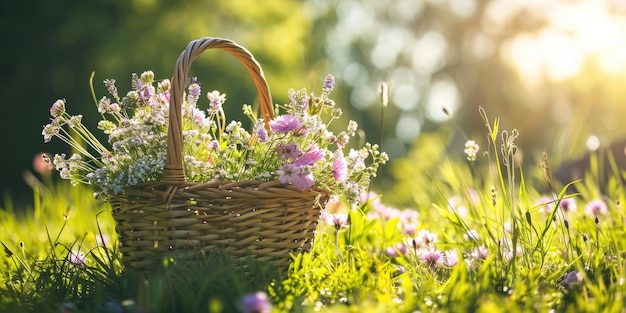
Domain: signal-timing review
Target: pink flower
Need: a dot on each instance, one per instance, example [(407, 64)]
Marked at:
[(430, 256), (568, 205), (340, 220), (290, 151), (285, 123), (299, 176), (287, 172), (596, 207), (480, 253), (310, 157), (424, 238), (340, 167), (396, 250), (450, 258), (304, 179), (547, 203)]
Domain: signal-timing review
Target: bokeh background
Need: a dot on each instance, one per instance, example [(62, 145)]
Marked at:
[(554, 70)]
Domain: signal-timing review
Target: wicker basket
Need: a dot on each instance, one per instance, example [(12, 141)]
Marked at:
[(265, 221)]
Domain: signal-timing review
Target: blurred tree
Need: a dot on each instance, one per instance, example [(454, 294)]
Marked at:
[(50, 48), (528, 62)]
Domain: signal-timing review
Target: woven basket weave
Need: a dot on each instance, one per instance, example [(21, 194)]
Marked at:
[(265, 221)]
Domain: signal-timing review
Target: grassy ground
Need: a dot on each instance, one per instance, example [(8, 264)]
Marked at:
[(476, 238)]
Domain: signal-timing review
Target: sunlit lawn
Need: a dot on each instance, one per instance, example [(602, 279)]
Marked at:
[(489, 239)]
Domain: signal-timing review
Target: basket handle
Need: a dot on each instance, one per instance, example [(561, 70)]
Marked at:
[(174, 171)]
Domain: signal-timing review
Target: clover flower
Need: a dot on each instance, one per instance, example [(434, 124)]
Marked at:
[(595, 208), (568, 205), (480, 253), (451, 258), (430, 256)]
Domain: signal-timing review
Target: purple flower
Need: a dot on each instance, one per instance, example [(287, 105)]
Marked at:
[(398, 249), (572, 278), (256, 303), (340, 167), (287, 172), (310, 157), (213, 144), (194, 94), (290, 151), (391, 252), (304, 178), (285, 123), (329, 82), (262, 133), (596, 207)]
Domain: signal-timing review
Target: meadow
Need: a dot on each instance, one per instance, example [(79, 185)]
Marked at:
[(457, 232)]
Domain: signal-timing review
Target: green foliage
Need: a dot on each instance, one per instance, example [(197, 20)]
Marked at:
[(480, 236)]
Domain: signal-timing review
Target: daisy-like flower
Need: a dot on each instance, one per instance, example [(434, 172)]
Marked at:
[(304, 178), (310, 157), (289, 151), (285, 123)]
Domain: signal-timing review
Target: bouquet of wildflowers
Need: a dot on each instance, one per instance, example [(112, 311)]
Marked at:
[(295, 148)]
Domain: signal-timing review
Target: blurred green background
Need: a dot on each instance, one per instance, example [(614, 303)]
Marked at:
[(552, 69)]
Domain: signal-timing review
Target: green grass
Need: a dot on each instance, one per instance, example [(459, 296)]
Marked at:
[(513, 254)]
